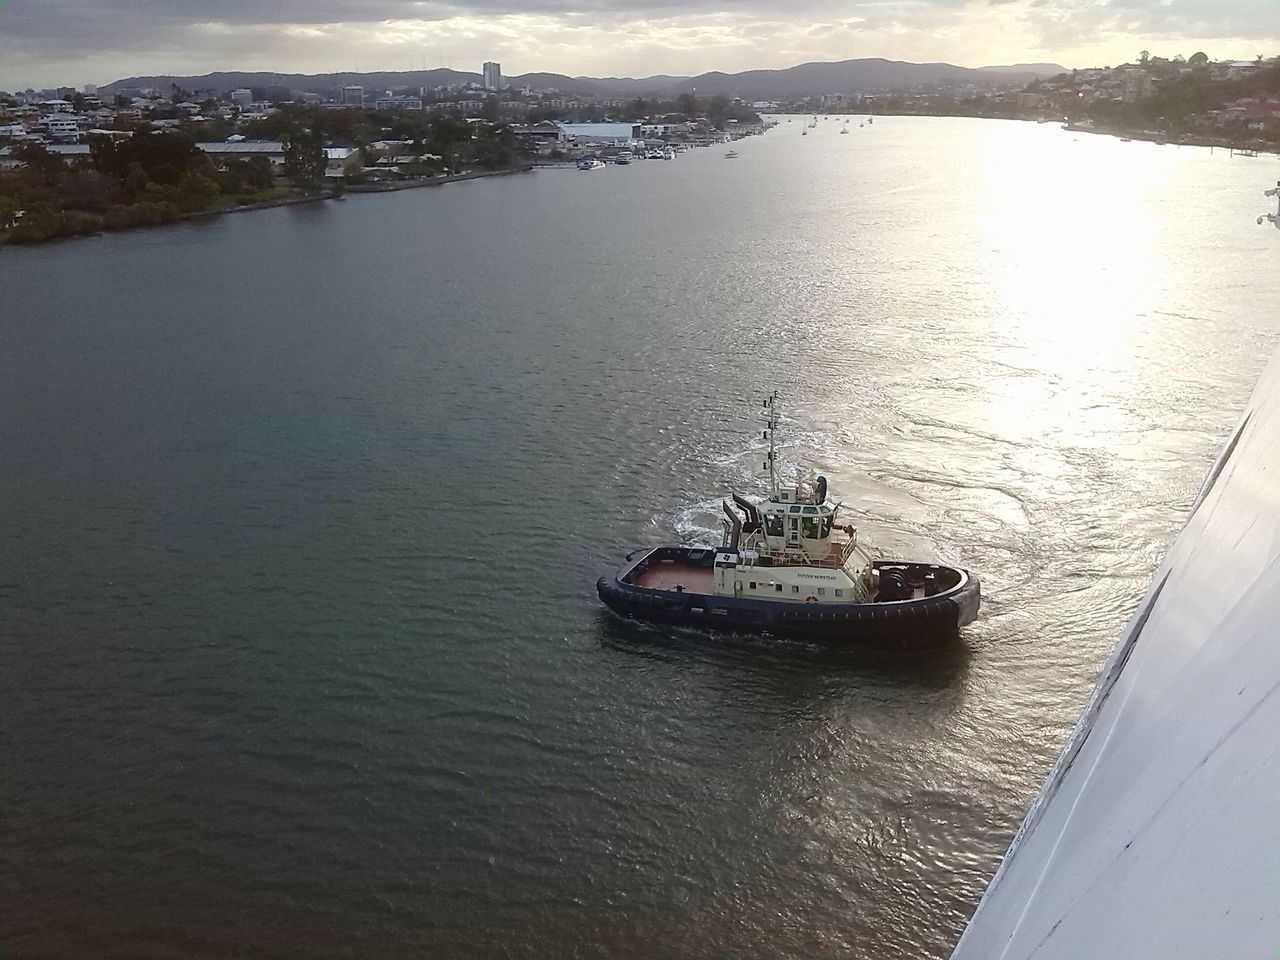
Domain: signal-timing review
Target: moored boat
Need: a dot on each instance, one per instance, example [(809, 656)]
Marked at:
[(785, 566), (590, 163)]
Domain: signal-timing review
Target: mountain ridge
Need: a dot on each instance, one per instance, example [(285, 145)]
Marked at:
[(864, 75)]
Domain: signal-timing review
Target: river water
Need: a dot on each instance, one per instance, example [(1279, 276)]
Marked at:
[(302, 512)]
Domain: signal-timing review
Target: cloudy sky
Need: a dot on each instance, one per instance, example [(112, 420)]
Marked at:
[(47, 42)]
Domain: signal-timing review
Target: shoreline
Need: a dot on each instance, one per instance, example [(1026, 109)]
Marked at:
[(391, 186), (1183, 140), (198, 215)]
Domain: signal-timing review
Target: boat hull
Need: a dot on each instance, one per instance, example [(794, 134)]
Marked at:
[(895, 623)]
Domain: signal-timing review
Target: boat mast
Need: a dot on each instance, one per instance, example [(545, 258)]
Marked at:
[(771, 425)]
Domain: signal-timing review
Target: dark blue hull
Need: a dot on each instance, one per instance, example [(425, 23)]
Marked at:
[(927, 618)]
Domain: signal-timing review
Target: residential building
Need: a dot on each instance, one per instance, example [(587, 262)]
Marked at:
[(61, 126), (492, 76), (242, 98), (398, 103), (353, 96), (545, 132)]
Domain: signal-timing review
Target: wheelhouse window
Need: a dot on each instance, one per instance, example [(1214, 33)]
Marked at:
[(773, 525)]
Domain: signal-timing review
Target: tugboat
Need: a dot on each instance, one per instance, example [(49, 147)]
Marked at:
[(785, 566)]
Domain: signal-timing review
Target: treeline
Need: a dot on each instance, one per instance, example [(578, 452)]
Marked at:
[(460, 144), (146, 179)]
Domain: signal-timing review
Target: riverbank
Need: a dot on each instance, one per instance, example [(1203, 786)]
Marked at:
[(391, 186), (284, 201), (1180, 140)]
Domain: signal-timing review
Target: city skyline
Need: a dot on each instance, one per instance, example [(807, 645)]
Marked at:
[(47, 42)]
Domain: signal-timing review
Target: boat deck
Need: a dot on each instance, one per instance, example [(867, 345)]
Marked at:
[(668, 574)]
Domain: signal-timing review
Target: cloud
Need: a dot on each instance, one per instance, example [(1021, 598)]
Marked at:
[(76, 41)]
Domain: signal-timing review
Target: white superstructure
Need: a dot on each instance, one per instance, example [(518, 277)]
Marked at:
[(790, 547)]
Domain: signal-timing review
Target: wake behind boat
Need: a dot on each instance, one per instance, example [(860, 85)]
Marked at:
[(786, 566)]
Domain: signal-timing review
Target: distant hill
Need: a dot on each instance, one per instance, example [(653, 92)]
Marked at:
[(1035, 69), (807, 79), (844, 76)]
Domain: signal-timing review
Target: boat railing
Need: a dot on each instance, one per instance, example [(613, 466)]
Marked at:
[(794, 555)]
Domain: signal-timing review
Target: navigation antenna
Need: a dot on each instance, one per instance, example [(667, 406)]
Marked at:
[(1273, 217), (771, 427)]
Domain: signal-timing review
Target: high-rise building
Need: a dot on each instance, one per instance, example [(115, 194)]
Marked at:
[(493, 76), (242, 97), (353, 96)]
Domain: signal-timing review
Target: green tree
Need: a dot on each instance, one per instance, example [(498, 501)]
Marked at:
[(165, 157), (304, 160), (136, 180), (446, 132), (49, 167), (717, 110), (687, 103), (88, 190), (196, 192)]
